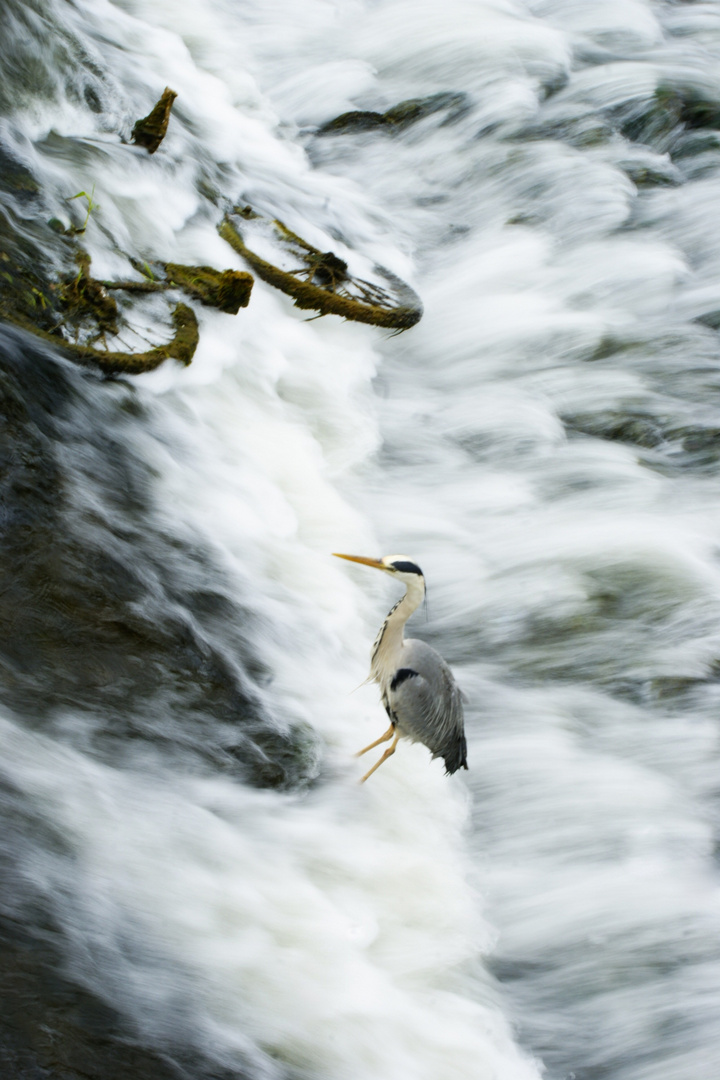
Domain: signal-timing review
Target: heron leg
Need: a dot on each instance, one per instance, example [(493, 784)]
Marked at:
[(390, 750), (383, 738)]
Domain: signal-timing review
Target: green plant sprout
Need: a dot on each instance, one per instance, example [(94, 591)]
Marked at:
[(91, 205)]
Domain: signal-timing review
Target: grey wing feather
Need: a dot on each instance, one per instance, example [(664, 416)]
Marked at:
[(425, 703)]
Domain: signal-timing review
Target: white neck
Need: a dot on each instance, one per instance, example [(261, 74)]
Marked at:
[(388, 644)]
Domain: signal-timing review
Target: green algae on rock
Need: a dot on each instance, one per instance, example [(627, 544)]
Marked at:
[(26, 292), (322, 283), (151, 129)]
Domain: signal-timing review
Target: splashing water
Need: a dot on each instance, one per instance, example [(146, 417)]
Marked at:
[(188, 850)]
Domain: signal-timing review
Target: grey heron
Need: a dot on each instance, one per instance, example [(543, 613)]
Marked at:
[(418, 689)]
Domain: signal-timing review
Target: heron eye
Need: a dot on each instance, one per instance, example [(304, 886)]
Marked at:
[(407, 568)]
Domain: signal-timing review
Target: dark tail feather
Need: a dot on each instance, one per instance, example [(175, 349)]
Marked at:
[(456, 756)]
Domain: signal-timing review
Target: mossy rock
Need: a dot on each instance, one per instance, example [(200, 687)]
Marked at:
[(398, 117), (15, 177), (710, 318), (582, 130), (27, 293), (635, 428), (150, 131), (687, 447), (105, 614), (694, 144), (649, 176), (700, 446), (678, 120), (107, 619), (350, 122), (690, 107)]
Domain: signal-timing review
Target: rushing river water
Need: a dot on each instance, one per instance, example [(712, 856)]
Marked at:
[(194, 885)]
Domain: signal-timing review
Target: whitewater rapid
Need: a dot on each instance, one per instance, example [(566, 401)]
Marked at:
[(543, 443)]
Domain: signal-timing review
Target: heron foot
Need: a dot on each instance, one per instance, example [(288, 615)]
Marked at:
[(390, 750), (383, 738)]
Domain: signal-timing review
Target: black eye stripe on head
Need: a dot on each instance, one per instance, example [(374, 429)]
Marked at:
[(407, 568)]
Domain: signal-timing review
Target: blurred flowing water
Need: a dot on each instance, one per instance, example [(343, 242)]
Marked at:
[(194, 885)]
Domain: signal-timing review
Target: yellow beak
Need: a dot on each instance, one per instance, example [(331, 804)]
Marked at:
[(361, 559)]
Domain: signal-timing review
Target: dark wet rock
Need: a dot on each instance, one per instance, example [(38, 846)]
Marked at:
[(16, 178), (701, 445), (349, 122), (636, 428), (700, 439), (689, 106), (644, 175), (31, 250), (678, 120), (672, 689), (554, 83), (652, 123), (711, 319), (693, 148), (398, 117), (101, 611), (671, 447), (150, 131), (43, 60), (57, 1021), (108, 619), (27, 293), (53, 1029), (581, 130), (617, 347)]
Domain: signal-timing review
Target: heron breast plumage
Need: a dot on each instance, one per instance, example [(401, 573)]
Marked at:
[(424, 702)]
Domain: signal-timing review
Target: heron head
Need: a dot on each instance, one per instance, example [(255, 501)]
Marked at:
[(400, 566)]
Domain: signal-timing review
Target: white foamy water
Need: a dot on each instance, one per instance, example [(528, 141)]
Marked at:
[(543, 443)]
